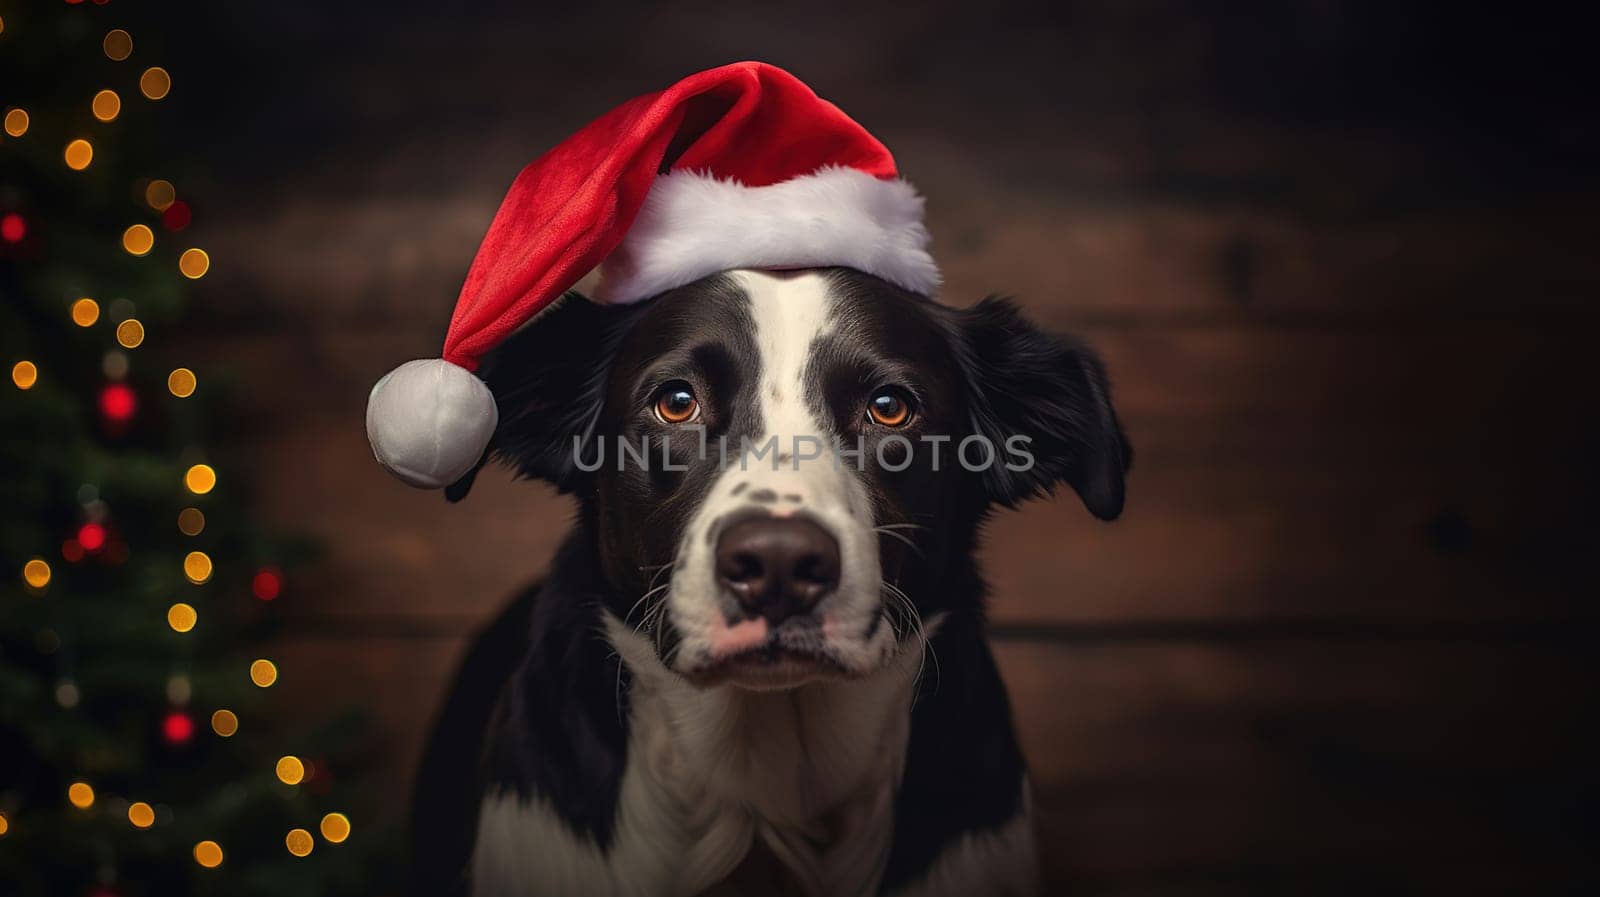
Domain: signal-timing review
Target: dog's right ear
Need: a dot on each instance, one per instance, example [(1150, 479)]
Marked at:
[(548, 381)]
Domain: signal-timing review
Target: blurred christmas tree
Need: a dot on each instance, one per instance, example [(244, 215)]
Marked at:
[(136, 754)]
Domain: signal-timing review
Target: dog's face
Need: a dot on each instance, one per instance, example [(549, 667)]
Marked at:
[(782, 470)]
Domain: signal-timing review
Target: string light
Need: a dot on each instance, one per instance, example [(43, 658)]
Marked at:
[(16, 121), (24, 374), (36, 573), (182, 617), (200, 479), (130, 333), (299, 842), (138, 239), (224, 723), (155, 83), (159, 194), (181, 382), (197, 566), (290, 770), (191, 521), (208, 854), (335, 828), (78, 154), (85, 312), (80, 795), (118, 45), (263, 673), (106, 105), (194, 263), (141, 814)]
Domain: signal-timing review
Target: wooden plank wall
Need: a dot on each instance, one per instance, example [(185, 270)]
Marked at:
[(1339, 638)]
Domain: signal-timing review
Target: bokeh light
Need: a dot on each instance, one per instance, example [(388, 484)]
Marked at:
[(85, 312), (118, 44), (78, 154), (266, 584), (177, 216), (138, 239), (197, 566), (118, 403), (92, 536), (106, 105), (194, 263), (335, 828), (159, 194), (208, 854), (200, 479), (155, 83), (263, 673), (299, 842), (80, 795), (182, 617), (24, 374), (290, 770), (13, 227), (141, 814), (224, 723), (16, 121), (181, 382), (177, 727), (36, 573), (4, 825), (130, 333), (191, 521)]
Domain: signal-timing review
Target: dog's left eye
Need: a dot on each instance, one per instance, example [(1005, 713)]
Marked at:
[(676, 404), (889, 408)]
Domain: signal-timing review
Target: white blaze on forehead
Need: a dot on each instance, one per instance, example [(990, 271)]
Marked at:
[(790, 313)]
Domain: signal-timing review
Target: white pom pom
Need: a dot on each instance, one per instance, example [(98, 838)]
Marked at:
[(429, 421)]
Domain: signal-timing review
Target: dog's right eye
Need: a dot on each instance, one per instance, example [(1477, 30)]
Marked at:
[(676, 404)]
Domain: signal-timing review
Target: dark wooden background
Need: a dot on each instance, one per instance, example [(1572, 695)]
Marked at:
[(1340, 260)]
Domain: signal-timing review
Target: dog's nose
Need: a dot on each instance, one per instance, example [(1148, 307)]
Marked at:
[(777, 566)]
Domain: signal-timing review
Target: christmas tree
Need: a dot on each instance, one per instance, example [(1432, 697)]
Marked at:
[(139, 752)]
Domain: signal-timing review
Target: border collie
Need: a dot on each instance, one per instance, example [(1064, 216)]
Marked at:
[(759, 674)]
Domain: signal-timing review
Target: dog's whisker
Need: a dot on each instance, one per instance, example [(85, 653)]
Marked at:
[(900, 536)]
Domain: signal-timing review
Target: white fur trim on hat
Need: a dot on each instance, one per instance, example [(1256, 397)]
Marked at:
[(693, 225), (429, 421)]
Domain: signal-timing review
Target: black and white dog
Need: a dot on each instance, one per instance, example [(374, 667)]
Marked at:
[(759, 676)]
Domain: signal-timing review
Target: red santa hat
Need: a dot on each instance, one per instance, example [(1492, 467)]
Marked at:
[(741, 166)]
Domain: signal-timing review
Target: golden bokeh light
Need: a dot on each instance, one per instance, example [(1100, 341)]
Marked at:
[(141, 814), (208, 854), (290, 770), (200, 479), (194, 263), (36, 573), (182, 617), (138, 240), (24, 374), (181, 382), (118, 44), (79, 153), (16, 121), (80, 795), (335, 828), (106, 105), (191, 521), (130, 333), (263, 673), (197, 566), (155, 83), (159, 194), (299, 842), (224, 723), (85, 312), (4, 825)]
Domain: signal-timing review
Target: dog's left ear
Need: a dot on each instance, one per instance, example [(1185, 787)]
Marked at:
[(1053, 394)]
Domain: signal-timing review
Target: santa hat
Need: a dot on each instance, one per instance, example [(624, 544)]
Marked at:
[(741, 166)]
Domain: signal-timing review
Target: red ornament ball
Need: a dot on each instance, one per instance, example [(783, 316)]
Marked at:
[(177, 216), (13, 228), (177, 727), (92, 536), (118, 403), (267, 584)]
